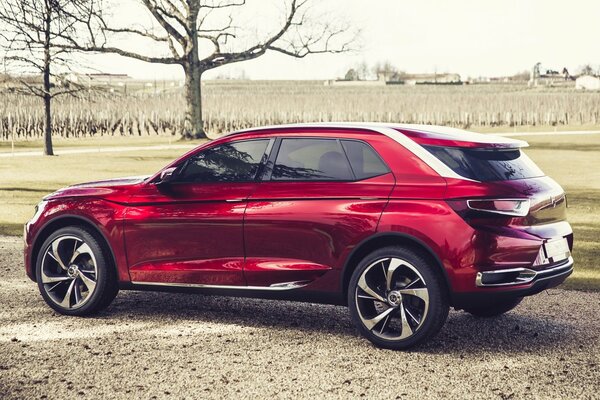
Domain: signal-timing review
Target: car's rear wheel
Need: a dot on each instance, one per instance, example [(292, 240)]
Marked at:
[(396, 298), (74, 272), (494, 308)]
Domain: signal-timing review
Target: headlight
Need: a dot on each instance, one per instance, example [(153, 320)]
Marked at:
[(39, 208)]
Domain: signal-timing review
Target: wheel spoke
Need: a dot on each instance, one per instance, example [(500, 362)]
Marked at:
[(57, 284), (83, 249), (412, 316), (394, 264), (87, 281), (362, 283), (406, 329), (366, 296), (412, 283), (386, 323), (371, 323), (422, 293), (77, 291), (52, 279), (66, 302), (55, 254)]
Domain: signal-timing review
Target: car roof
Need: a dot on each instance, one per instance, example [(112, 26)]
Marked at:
[(433, 135)]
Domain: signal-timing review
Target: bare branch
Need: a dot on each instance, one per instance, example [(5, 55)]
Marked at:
[(125, 53), (299, 45), (159, 14), (223, 4), (143, 33)]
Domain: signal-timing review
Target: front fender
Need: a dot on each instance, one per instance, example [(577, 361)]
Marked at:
[(104, 217)]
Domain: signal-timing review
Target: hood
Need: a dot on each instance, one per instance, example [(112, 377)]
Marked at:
[(117, 189)]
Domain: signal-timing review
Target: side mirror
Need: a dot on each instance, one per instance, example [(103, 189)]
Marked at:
[(167, 175)]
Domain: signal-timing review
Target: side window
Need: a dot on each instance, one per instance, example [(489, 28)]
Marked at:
[(365, 162), (231, 162), (311, 160)]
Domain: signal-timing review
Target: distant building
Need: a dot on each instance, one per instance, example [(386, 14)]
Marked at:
[(344, 82), (399, 78), (98, 79), (431, 79), (587, 82)]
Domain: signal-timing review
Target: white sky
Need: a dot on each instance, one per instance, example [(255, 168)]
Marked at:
[(469, 37)]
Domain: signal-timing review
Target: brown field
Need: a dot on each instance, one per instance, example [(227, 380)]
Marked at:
[(234, 104)]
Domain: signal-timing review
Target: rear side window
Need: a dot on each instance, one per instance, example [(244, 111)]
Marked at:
[(311, 160), (230, 162), (365, 162), (487, 164)]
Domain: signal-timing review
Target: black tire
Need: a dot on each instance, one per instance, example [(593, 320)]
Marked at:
[(495, 308), (92, 265), (415, 273)]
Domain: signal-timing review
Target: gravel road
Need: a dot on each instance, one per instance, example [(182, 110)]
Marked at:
[(156, 345)]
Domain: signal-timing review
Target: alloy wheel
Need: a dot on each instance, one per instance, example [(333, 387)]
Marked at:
[(392, 299), (69, 272)]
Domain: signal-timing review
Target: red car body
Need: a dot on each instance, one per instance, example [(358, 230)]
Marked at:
[(301, 240)]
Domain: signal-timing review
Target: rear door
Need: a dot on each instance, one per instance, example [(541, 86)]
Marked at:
[(191, 231), (311, 207)]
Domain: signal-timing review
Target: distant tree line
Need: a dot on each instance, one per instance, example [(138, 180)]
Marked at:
[(364, 71)]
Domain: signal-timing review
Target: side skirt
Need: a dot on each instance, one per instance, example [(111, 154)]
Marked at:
[(258, 292)]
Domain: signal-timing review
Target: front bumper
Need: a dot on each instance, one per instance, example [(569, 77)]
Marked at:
[(536, 281)]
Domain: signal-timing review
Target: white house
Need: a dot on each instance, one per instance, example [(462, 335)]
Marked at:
[(587, 82)]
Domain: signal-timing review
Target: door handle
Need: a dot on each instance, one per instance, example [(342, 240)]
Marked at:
[(234, 200)]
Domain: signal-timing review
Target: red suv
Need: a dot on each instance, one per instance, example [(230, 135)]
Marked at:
[(399, 222)]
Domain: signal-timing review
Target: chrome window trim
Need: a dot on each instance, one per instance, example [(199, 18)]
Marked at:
[(389, 130)]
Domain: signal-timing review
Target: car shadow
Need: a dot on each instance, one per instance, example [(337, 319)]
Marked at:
[(519, 331)]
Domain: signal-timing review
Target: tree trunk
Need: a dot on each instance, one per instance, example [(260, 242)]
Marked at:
[(48, 150), (47, 96), (194, 124)]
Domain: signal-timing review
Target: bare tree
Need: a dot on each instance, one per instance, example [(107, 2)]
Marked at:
[(587, 69), (32, 32), (201, 35), (385, 70)]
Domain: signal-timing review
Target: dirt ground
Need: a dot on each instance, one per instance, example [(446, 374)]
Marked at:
[(156, 345)]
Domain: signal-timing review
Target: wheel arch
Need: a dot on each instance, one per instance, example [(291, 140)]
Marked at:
[(384, 239), (62, 222)]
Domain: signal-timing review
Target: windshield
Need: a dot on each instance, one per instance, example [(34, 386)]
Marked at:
[(487, 164)]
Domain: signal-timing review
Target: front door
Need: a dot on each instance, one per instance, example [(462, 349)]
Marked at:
[(319, 197), (190, 231)]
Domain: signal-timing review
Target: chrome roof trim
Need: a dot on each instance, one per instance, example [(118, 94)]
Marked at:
[(447, 131)]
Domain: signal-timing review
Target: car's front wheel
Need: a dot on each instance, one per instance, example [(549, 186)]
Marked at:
[(396, 298), (74, 273)]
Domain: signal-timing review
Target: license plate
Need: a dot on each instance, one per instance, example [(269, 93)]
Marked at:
[(557, 249)]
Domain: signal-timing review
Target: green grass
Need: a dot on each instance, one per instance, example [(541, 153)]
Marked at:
[(573, 161), (101, 141), (25, 180)]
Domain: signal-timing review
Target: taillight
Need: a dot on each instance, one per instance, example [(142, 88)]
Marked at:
[(511, 207), (486, 211)]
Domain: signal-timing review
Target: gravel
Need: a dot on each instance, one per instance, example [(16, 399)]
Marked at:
[(157, 345)]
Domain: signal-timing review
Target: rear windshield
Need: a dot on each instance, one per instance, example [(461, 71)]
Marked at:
[(487, 164)]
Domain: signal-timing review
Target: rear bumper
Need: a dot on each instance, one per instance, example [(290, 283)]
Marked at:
[(521, 276), (537, 281)]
